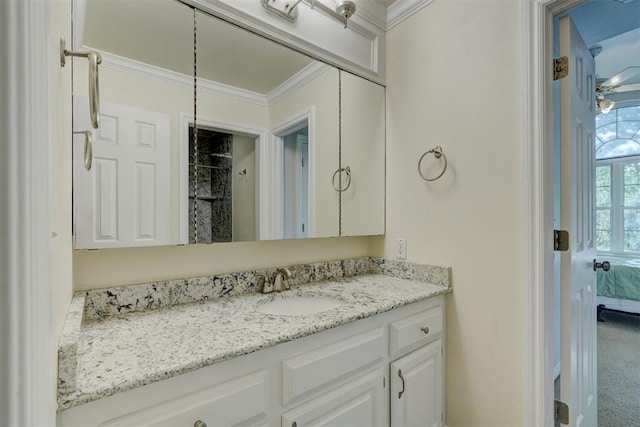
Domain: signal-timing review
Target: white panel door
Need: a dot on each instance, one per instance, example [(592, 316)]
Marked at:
[(124, 199), (416, 388), (577, 106)]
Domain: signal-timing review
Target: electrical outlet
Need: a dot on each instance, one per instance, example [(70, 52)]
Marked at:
[(401, 249)]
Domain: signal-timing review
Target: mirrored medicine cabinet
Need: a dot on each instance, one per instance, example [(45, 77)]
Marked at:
[(210, 133)]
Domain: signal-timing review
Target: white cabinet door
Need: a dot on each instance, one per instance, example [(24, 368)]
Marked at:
[(360, 402), (124, 199), (363, 151), (416, 388)]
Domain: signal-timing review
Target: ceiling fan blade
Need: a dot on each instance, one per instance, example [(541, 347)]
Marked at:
[(629, 73), (625, 88)]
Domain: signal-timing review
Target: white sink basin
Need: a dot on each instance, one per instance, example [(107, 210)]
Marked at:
[(299, 305)]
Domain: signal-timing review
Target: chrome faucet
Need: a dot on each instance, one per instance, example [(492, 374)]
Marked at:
[(280, 283)]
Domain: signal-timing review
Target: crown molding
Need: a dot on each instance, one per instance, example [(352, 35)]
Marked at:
[(372, 12), (140, 69), (403, 9), (301, 78)]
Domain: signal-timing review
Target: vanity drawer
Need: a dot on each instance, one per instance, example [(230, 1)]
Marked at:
[(224, 403), (415, 330), (332, 363)]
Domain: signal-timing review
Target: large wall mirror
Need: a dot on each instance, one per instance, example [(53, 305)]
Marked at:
[(210, 133)]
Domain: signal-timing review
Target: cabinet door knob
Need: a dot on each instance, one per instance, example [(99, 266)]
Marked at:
[(425, 329), (199, 424)]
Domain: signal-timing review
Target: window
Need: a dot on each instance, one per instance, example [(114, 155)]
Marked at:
[(618, 181)]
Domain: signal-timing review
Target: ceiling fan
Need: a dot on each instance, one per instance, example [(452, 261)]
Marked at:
[(627, 80)]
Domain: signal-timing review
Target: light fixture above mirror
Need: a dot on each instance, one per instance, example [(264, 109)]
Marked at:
[(343, 11)]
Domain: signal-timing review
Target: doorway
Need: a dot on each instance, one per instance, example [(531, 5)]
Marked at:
[(537, 37), (595, 21), (219, 181), (296, 183)]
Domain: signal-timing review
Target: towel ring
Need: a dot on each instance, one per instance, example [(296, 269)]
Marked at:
[(94, 93), (339, 188), (88, 149), (437, 153)]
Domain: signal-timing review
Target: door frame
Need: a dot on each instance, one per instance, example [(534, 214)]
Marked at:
[(297, 121), (27, 338), (537, 202)]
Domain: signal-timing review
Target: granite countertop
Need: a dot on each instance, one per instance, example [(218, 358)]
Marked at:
[(103, 355)]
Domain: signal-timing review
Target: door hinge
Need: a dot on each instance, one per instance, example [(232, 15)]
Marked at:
[(560, 67), (560, 240), (561, 411), (384, 382)]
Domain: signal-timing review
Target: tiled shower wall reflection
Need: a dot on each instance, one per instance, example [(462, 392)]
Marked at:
[(210, 197)]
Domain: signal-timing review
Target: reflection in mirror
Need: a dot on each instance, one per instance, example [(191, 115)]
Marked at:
[(254, 163), (276, 108), (146, 82), (363, 151), (296, 183)]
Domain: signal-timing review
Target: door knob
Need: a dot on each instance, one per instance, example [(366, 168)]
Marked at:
[(606, 266)]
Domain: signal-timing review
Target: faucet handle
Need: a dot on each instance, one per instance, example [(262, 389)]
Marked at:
[(285, 274), (280, 282), (267, 287)]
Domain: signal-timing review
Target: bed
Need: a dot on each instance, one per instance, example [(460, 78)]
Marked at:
[(619, 288)]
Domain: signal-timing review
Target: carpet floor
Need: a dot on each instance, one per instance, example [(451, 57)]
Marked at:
[(619, 370)]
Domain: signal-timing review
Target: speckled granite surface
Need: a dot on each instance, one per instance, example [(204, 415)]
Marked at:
[(117, 352), (68, 346), (149, 296)]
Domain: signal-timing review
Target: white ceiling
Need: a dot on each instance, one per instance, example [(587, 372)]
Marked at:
[(618, 53), (162, 35)]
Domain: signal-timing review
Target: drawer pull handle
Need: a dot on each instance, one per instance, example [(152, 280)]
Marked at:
[(199, 424), (402, 378), (425, 329)]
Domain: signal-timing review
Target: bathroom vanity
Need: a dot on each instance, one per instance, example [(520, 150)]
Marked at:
[(375, 358)]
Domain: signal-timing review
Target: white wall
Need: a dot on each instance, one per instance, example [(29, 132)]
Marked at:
[(321, 93), (244, 188), (453, 80), (116, 267)]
